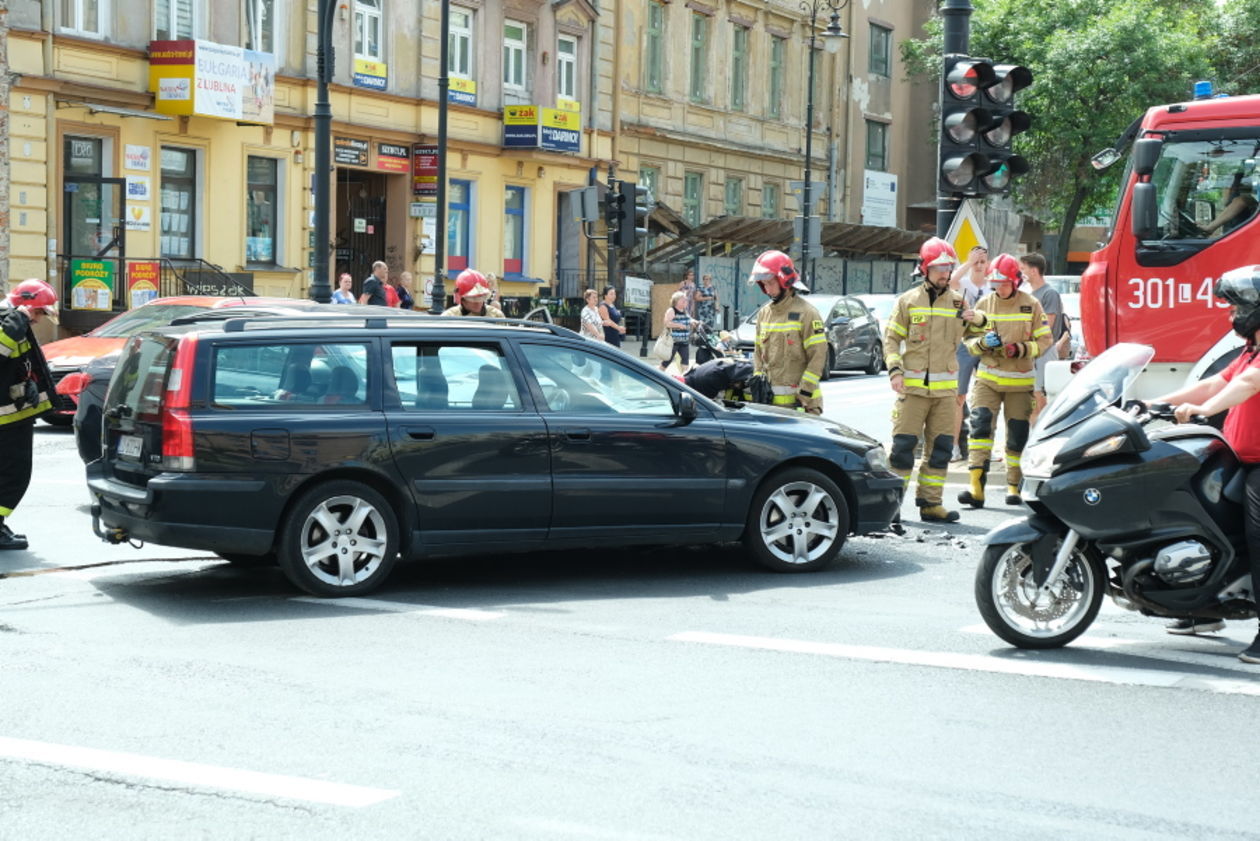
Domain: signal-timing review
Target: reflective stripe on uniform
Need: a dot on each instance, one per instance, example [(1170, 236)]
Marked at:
[(816, 339), (937, 311), (898, 329), (938, 481), (9, 414), (783, 389), (780, 327), (785, 400), (994, 375), (980, 443), (810, 378), (1041, 331), (1012, 460), (1009, 316), (9, 347), (930, 385)]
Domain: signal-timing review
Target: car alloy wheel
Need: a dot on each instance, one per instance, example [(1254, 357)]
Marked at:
[(798, 521), (340, 539)]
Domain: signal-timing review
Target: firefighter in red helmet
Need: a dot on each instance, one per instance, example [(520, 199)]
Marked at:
[(791, 343), (472, 294), (26, 389)]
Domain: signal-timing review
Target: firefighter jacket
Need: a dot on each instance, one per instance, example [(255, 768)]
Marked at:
[(931, 325), (1021, 324), (491, 311), (26, 386), (791, 350)]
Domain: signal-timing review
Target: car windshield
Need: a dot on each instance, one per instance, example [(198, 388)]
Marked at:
[(143, 318), (1100, 384)]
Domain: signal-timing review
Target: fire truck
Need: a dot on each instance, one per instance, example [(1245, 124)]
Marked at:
[(1186, 214)]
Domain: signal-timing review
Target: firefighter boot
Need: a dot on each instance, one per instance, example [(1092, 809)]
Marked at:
[(1012, 495), (975, 496), (934, 512), (9, 540)]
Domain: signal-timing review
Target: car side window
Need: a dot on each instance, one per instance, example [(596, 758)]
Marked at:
[(577, 382), (432, 377), (290, 375)]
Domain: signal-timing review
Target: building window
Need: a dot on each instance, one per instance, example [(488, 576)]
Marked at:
[(776, 75), (653, 58), (770, 201), (260, 25), (876, 146), (459, 54), (566, 67), (514, 231), (173, 19), (881, 50), (734, 205), (178, 198), (739, 68), (367, 29), (458, 225), (699, 57), (260, 210), (693, 183), (84, 17), (515, 46)]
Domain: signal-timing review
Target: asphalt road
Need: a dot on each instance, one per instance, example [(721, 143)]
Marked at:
[(605, 694)]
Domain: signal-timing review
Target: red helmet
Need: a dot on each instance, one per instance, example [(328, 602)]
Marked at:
[(776, 265), (35, 293), (1005, 269), (471, 284), (936, 252)]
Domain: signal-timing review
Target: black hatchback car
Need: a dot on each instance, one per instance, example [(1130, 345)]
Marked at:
[(337, 446)]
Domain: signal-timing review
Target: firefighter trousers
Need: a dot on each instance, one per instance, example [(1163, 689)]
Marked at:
[(17, 441), (916, 416), (986, 402)]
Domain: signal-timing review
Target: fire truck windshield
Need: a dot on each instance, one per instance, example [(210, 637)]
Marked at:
[(1205, 189)]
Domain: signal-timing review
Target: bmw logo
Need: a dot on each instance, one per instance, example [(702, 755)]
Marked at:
[(1093, 496)]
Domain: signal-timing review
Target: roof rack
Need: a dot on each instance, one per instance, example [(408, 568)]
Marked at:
[(385, 322)]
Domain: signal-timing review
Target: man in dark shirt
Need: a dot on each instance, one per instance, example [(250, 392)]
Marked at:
[(374, 286)]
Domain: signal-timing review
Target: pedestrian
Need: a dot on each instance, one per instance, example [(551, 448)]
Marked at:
[(688, 288), (492, 280), (611, 318), (26, 387), (680, 325), (343, 295), (406, 297), (1034, 268), (929, 322), (791, 342), (471, 296), (1011, 333), (967, 280), (374, 286), (707, 302), (391, 291), (591, 323)]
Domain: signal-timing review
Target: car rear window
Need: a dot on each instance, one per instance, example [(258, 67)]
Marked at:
[(144, 318), (290, 375), (141, 376), (453, 377)]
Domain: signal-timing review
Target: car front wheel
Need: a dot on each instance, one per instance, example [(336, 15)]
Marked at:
[(798, 521), (340, 539)]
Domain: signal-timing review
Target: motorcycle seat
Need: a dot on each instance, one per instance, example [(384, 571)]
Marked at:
[(1185, 430)]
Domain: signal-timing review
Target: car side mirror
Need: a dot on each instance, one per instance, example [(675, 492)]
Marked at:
[(686, 408), (839, 321)]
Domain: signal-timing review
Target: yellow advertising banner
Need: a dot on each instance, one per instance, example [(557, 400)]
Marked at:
[(568, 104), (555, 118), (520, 115)]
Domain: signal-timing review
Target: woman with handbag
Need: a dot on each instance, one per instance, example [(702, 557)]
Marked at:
[(679, 326)]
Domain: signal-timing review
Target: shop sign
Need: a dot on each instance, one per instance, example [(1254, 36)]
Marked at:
[(561, 130), (137, 157), (138, 188), (206, 79), (568, 104), (350, 151), (520, 126), (91, 284), (139, 217), (423, 210), (391, 157), (371, 74), (638, 294), (461, 91), (143, 277), (424, 168)]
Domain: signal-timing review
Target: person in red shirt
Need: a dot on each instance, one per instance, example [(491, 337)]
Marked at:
[(1237, 389)]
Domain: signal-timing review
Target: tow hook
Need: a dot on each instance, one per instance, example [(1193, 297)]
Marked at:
[(111, 536)]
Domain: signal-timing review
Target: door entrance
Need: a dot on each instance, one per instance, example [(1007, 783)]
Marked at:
[(360, 223), (95, 250)]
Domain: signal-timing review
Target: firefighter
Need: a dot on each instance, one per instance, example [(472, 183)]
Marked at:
[(929, 320), (1009, 337), (472, 292), (791, 343), (25, 391)]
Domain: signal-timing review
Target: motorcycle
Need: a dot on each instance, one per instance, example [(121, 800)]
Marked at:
[(1124, 503)]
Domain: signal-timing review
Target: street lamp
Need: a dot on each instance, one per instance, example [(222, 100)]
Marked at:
[(324, 60), (438, 296), (832, 36)]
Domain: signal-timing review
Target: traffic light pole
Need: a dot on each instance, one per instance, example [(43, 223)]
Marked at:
[(957, 15)]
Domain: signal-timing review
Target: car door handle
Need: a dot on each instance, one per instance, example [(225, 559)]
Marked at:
[(421, 433), (578, 434)]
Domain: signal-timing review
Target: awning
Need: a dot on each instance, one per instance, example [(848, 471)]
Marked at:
[(736, 235)]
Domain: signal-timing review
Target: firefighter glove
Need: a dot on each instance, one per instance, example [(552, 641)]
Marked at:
[(991, 339), (1016, 349)]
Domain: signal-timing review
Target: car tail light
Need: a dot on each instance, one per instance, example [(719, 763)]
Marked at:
[(72, 385), (177, 427)]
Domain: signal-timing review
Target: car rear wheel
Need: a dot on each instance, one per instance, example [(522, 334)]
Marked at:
[(877, 359), (798, 521), (340, 539), (831, 363)]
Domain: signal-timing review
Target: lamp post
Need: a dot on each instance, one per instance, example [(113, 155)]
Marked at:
[(320, 289), (438, 302), (832, 37)]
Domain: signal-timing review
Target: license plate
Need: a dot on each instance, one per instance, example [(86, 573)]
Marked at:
[(130, 446)]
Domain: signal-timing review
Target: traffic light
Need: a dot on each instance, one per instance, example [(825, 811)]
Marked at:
[(614, 211), (1007, 121), (978, 122), (635, 203)]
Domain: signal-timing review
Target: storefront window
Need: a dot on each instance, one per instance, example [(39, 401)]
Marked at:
[(458, 227), (179, 203), (514, 231), (260, 211)]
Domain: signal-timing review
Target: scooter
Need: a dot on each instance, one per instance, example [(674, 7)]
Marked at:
[(1124, 503)]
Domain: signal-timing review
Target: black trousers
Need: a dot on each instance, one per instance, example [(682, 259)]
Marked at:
[(1252, 523), (17, 441)]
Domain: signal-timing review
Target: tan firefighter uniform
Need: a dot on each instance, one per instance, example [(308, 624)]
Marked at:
[(791, 350), (930, 328), (490, 311), (1002, 382)]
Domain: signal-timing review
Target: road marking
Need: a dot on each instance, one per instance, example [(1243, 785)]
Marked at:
[(1083, 640), (1023, 665), (193, 773), (471, 614)]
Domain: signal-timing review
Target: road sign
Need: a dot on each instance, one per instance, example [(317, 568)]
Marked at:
[(965, 233)]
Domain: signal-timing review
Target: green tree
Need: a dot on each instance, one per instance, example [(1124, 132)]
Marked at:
[(1097, 65), (1237, 61)]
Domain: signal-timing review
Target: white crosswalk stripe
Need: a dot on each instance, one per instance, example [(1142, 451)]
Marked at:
[(467, 613)]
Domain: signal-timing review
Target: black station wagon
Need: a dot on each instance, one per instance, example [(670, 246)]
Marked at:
[(336, 446)]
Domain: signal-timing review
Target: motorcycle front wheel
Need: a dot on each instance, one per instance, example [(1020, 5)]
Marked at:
[(1005, 595)]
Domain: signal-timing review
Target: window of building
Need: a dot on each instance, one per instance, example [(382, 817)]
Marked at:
[(693, 183), (514, 230), (173, 19), (734, 204), (515, 47), (881, 50), (876, 146), (178, 200), (777, 53), (261, 215), (367, 29), (739, 68), (459, 54), (566, 67), (770, 201), (653, 48), (84, 17), (699, 57), (458, 225), (260, 26)]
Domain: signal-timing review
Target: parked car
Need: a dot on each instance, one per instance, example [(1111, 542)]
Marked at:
[(335, 446), (881, 305), (854, 339)]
